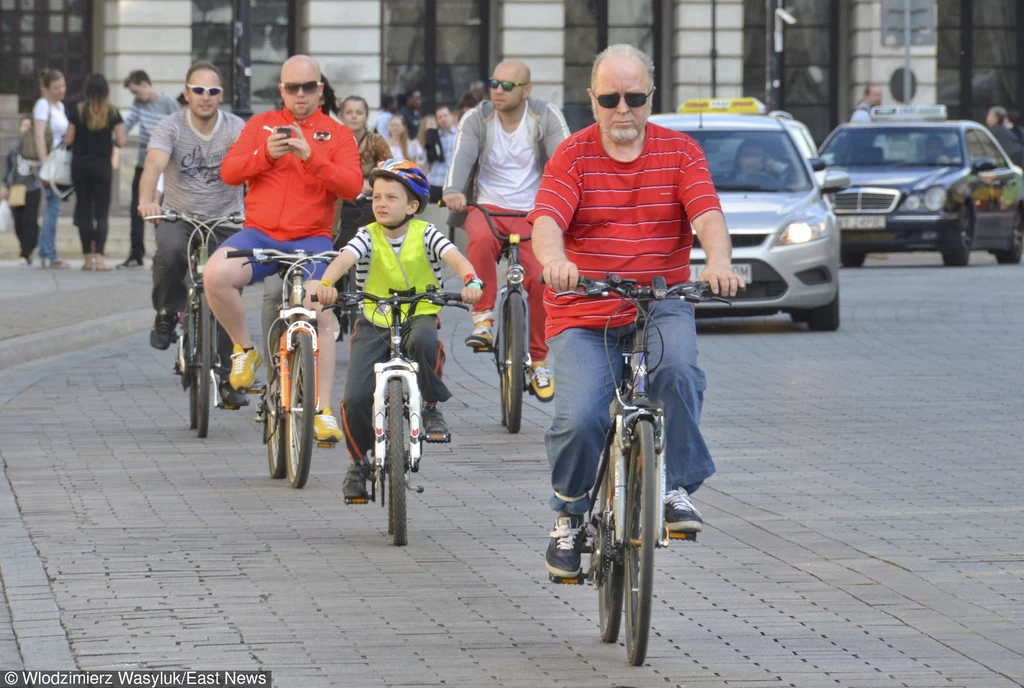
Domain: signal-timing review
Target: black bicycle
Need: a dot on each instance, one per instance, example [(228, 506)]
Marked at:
[(197, 345), (397, 407), (627, 519)]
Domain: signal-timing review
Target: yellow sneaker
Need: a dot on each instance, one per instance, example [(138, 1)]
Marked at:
[(244, 364), (481, 337), (541, 382), (325, 427)]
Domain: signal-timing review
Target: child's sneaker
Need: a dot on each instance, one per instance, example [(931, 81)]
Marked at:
[(435, 429)]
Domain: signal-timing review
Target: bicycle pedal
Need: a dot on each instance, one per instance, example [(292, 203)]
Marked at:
[(438, 438), (257, 387), (326, 444), (357, 500), (226, 407), (483, 349), (560, 580), (682, 535)]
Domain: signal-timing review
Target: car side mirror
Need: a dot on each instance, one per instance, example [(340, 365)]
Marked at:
[(835, 181), (984, 165), (817, 164)]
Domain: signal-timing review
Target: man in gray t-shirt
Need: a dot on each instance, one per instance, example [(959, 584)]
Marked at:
[(187, 148), (149, 108)]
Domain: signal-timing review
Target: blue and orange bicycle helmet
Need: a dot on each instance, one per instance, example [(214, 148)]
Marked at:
[(407, 173)]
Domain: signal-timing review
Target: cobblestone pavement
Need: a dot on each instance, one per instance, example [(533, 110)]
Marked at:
[(865, 527)]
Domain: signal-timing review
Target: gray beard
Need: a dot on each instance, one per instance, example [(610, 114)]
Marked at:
[(622, 135)]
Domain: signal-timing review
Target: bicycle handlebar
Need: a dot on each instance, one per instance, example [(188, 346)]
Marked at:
[(270, 255), (488, 214), (348, 299), (694, 292), (174, 216)]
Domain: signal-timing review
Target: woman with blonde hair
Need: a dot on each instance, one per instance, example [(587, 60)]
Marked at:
[(49, 123), (402, 147), (94, 128)]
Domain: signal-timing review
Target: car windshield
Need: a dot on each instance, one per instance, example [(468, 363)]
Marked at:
[(753, 160), (893, 147)]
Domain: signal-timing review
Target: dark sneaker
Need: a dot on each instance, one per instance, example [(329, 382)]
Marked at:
[(435, 429), (130, 264), (354, 486), (680, 513), (163, 334), (231, 398), (563, 555)]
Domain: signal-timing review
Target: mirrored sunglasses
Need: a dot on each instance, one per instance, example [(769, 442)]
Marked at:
[(309, 88), (203, 90)]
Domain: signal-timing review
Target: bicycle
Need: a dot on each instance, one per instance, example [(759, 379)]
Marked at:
[(290, 399), (197, 344), (627, 519), (511, 326), (397, 405)]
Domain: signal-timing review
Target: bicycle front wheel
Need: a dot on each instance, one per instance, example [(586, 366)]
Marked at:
[(513, 335), (189, 349), (396, 463), (641, 537), (300, 408), (204, 365)]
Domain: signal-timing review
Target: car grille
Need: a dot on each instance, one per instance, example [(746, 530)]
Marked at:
[(866, 201), (739, 240)]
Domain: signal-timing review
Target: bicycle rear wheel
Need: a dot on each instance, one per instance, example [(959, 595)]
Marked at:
[(396, 463), (300, 408), (513, 328), (273, 424), (204, 365), (640, 540), (609, 587)]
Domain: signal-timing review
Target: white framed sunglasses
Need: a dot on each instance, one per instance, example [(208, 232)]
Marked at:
[(203, 90)]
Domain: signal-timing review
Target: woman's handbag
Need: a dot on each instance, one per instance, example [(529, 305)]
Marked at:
[(28, 139), (56, 171), (17, 195)]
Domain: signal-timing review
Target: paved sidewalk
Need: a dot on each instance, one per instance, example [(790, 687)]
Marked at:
[(865, 527)]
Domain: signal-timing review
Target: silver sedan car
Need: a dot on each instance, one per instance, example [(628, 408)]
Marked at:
[(784, 236)]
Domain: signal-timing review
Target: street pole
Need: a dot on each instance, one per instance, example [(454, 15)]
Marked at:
[(242, 41), (906, 50), (773, 57)]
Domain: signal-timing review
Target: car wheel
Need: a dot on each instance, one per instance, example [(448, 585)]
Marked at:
[(851, 259), (960, 253), (1012, 255), (826, 318)]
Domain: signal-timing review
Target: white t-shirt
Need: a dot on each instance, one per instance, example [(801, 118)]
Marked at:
[(55, 113), (416, 152), (509, 177)]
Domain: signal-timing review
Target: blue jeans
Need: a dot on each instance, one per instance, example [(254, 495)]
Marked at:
[(586, 387), (48, 232)]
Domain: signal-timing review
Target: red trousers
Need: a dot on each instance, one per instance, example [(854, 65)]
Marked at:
[(483, 252)]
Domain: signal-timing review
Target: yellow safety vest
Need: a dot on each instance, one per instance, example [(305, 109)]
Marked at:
[(410, 269)]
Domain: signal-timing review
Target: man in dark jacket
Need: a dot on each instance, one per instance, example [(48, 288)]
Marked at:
[(996, 123)]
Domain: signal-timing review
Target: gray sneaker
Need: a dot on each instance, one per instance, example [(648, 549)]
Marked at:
[(354, 487)]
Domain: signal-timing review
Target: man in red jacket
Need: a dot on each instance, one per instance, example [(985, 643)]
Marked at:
[(295, 179)]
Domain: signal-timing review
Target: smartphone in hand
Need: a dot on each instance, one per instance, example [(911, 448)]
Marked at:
[(287, 131)]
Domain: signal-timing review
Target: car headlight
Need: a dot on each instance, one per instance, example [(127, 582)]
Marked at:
[(802, 232), (913, 202), (935, 199)]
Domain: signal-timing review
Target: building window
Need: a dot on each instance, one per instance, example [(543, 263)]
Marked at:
[(978, 48), (34, 36), (438, 47), (273, 41), (593, 25), (810, 72)]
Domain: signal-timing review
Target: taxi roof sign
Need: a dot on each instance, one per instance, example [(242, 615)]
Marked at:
[(723, 106), (908, 113)]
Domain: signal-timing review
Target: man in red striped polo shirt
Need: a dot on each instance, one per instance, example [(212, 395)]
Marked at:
[(624, 196)]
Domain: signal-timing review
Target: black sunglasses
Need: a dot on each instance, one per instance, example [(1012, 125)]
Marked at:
[(309, 88), (506, 85), (610, 101), (202, 90)]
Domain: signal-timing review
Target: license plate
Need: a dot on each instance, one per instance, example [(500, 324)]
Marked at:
[(861, 221), (742, 269)]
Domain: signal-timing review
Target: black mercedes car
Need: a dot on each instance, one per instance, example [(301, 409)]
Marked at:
[(920, 183)]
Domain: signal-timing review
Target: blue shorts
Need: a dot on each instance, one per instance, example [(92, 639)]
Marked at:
[(250, 237)]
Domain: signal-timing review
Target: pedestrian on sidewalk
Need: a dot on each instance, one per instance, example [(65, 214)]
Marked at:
[(411, 113), (23, 191), (49, 124), (95, 127), (388, 109), (149, 108), (995, 120), (440, 147), (872, 97), (373, 149)]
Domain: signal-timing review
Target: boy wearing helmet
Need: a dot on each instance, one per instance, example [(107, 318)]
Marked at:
[(396, 252)]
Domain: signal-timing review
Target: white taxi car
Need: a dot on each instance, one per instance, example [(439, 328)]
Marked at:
[(784, 236)]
